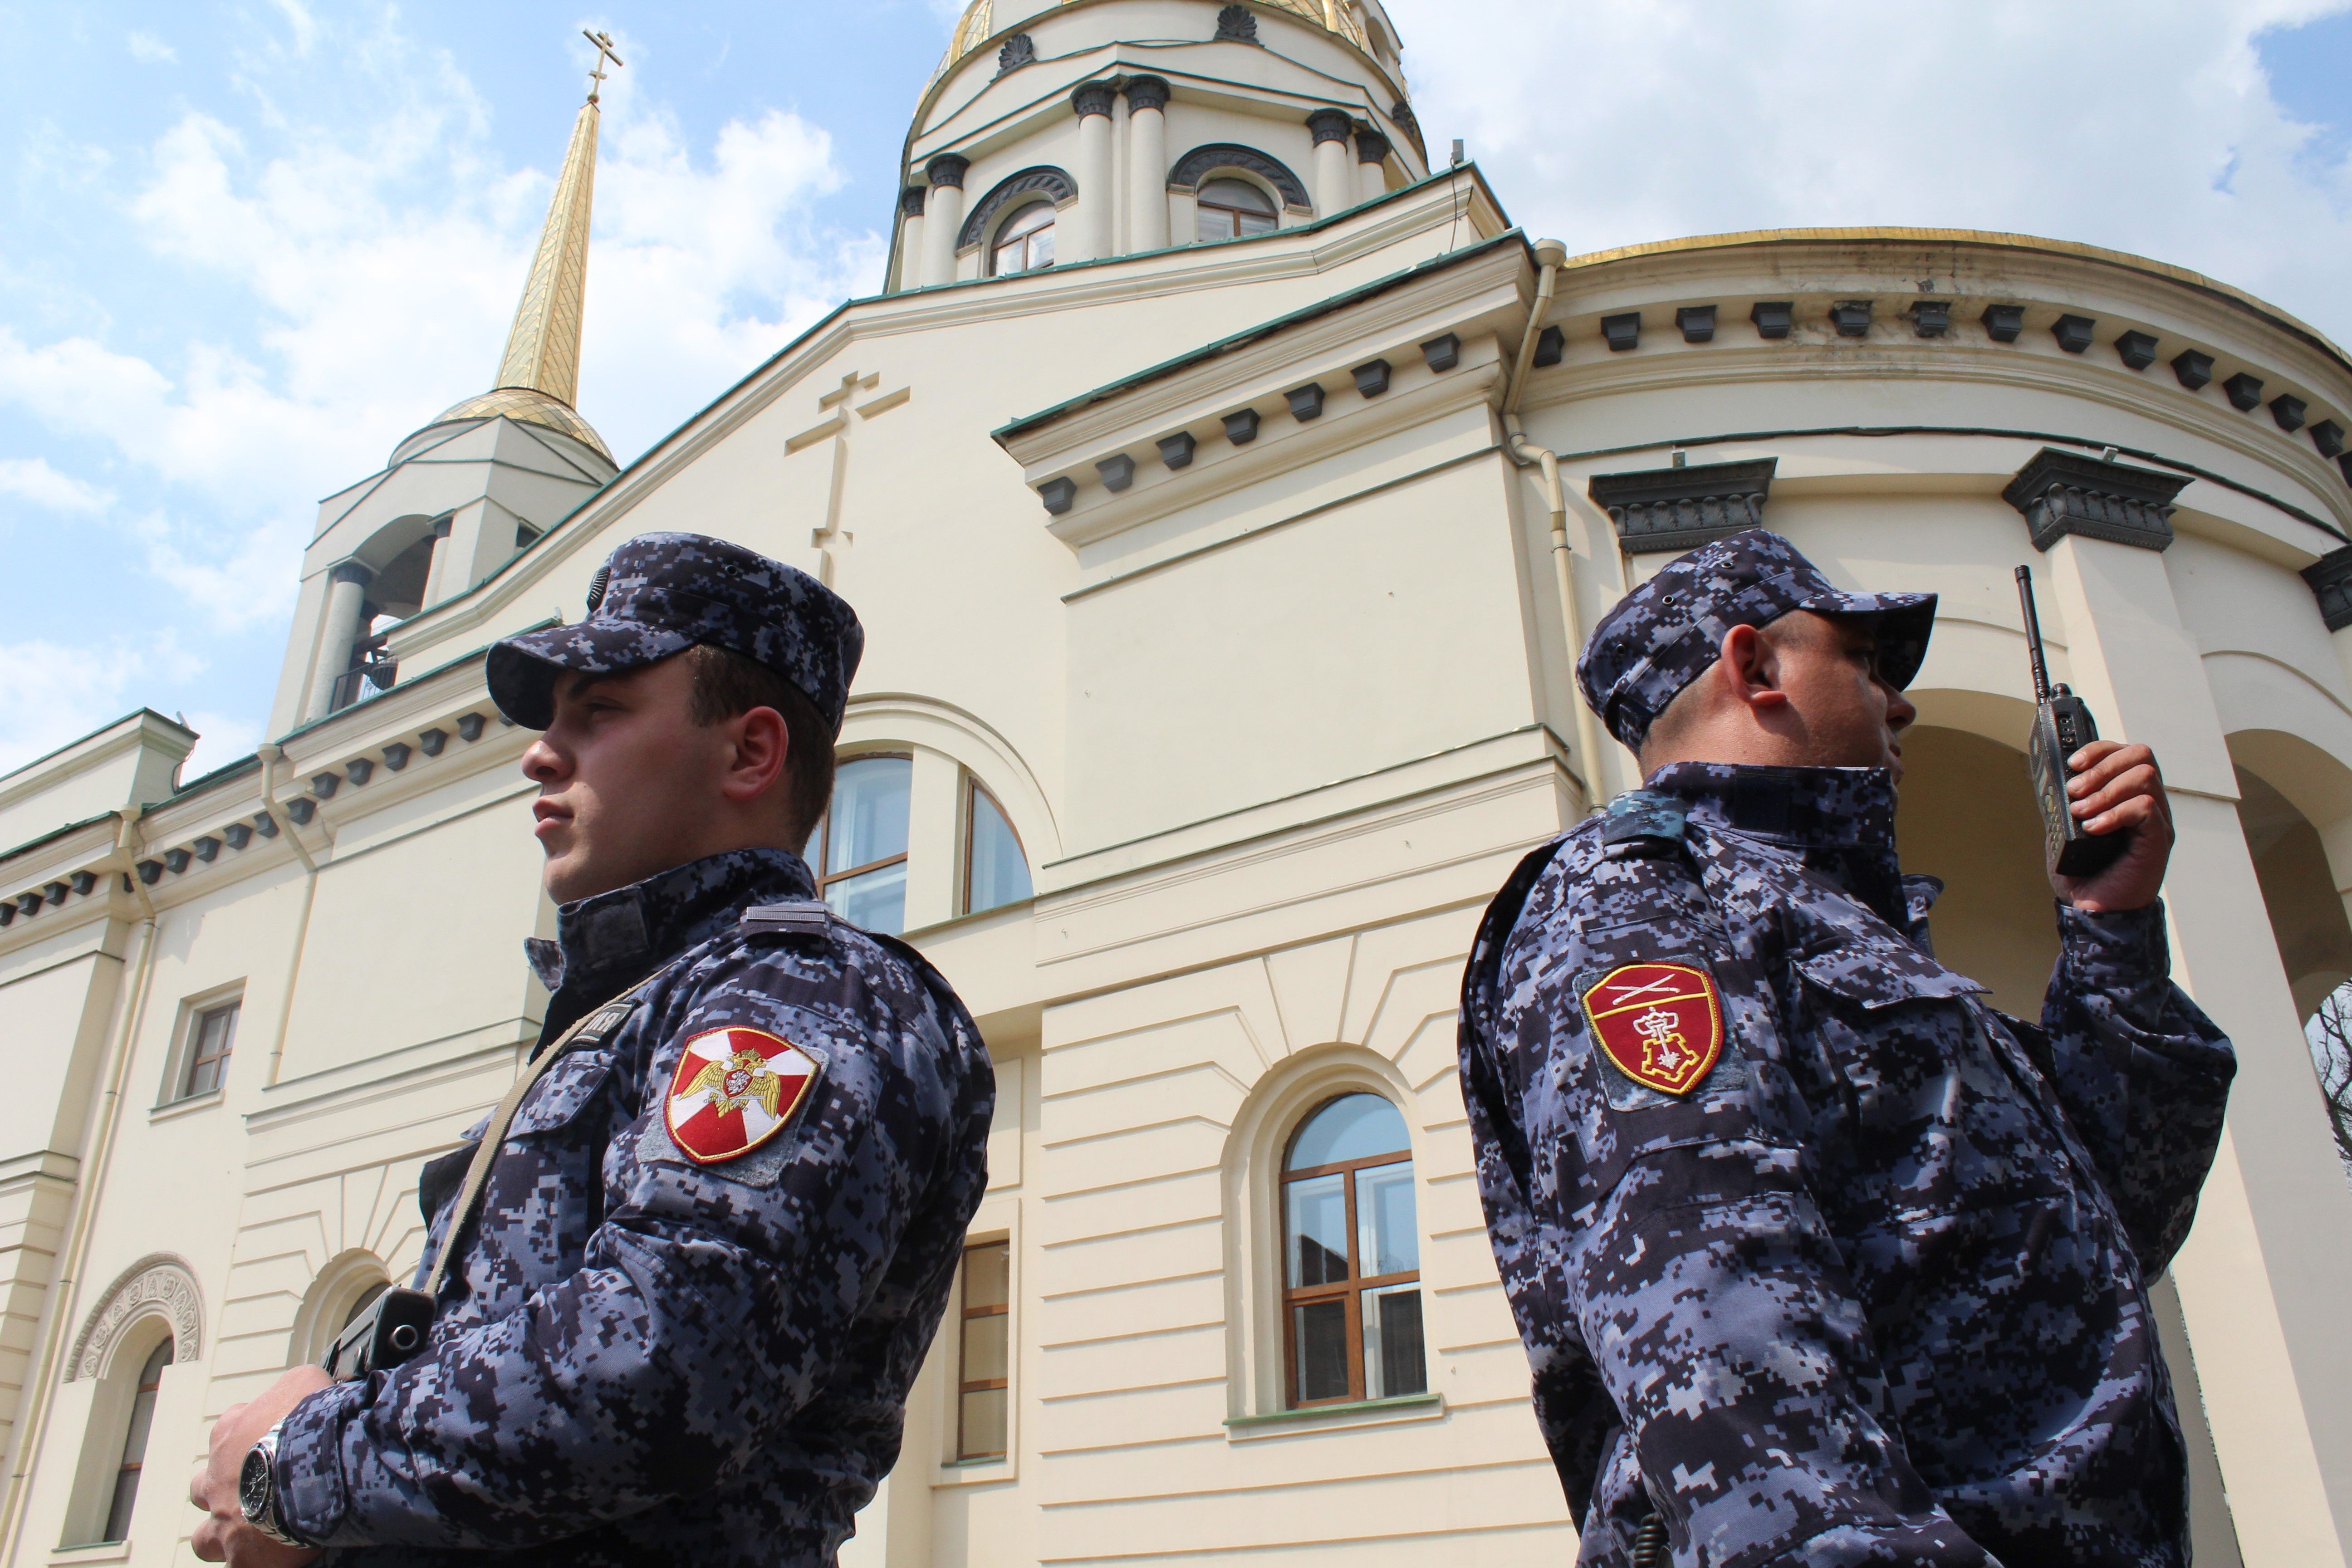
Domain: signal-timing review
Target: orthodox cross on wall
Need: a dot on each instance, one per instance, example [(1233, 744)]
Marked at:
[(847, 409)]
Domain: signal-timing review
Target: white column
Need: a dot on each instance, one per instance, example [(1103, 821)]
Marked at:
[(338, 629), (942, 217), (1092, 232), (1146, 175), (911, 236), (436, 566), (2266, 1271), (1372, 178), (1334, 171)]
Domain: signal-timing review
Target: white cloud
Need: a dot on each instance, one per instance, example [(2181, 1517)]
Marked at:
[(2145, 127), (32, 479), (149, 49), (223, 738), (51, 694)]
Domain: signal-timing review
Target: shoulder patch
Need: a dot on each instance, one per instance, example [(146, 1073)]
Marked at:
[(1661, 1025), (802, 917), (734, 1090)]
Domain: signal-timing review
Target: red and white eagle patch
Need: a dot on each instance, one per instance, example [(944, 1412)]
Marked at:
[(1662, 1024), (733, 1091)]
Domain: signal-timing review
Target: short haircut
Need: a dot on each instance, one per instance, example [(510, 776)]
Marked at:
[(726, 684)]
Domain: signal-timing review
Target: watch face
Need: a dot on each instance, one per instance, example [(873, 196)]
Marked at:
[(253, 1484)]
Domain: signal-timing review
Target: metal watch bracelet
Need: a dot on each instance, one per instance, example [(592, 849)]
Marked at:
[(257, 1491)]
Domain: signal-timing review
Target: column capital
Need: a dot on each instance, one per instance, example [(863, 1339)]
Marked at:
[(910, 201), (2066, 493), (1092, 98), (2330, 577), (1671, 510), (1371, 147), (947, 169), (1147, 92), (349, 572), (1330, 125)]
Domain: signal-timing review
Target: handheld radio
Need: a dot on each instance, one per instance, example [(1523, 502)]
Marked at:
[(2062, 726)]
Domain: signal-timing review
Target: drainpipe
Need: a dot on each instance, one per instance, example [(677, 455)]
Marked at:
[(271, 755), (1549, 255), (57, 1297)]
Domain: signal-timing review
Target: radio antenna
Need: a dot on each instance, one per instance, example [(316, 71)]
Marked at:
[(2034, 634)]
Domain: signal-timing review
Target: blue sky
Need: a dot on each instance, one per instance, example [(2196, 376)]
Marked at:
[(249, 246)]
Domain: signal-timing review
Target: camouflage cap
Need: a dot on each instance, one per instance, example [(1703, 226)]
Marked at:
[(660, 594), (1664, 634)]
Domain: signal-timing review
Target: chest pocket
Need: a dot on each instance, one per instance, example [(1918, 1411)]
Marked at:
[(567, 1089), (1891, 1034)]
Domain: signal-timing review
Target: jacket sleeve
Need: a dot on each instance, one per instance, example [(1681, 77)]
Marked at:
[(1674, 1241), (2142, 1073), (712, 1307)]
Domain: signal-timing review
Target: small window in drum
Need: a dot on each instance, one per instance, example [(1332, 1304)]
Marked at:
[(1229, 209)]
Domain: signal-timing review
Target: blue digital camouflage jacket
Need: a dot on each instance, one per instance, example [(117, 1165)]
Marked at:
[(1873, 1289), (637, 1359)]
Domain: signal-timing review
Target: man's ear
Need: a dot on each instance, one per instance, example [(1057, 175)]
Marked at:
[(761, 744), (1749, 669)]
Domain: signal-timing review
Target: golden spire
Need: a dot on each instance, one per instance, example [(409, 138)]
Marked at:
[(544, 349)]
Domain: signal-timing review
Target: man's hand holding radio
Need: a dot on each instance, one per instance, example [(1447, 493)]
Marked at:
[(2118, 788)]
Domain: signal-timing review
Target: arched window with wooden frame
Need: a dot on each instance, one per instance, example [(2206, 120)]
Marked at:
[(858, 851), (1026, 243), (1352, 1257), (995, 869), (1229, 208), (134, 1443)]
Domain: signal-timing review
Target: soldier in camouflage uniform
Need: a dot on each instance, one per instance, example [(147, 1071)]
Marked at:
[(719, 1235), (1817, 1257)]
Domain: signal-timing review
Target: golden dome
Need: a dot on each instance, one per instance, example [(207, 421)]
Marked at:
[(526, 406)]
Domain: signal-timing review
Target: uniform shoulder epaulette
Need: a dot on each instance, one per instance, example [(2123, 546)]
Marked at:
[(801, 916), (1641, 824)]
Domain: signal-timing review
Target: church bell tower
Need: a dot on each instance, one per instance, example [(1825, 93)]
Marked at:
[(464, 492)]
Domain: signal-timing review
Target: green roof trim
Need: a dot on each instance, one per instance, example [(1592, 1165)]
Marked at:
[(1249, 335)]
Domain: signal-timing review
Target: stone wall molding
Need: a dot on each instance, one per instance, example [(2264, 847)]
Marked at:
[(159, 1285), (1662, 509), (1055, 184), (2067, 492), (1206, 159)]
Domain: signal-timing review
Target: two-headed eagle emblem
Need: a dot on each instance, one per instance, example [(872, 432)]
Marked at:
[(734, 1082)]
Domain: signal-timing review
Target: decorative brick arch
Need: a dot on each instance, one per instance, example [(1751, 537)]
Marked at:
[(1054, 184), (1203, 160), (158, 1285)]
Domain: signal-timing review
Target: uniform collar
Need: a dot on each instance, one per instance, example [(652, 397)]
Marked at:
[(620, 935), (1839, 821)]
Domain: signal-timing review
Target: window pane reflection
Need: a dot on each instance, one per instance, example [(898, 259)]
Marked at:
[(1393, 1362), (1387, 1239), (983, 1423), (1352, 1127), (999, 871), (1321, 1328), (868, 820), (1319, 1230), (877, 900)]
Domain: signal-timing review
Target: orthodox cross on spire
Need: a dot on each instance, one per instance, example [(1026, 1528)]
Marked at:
[(604, 42)]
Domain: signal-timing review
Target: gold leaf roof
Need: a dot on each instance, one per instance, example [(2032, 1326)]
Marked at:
[(526, 406)]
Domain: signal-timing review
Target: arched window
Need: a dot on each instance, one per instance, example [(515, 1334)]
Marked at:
[(1026, 243), (859, 850), (134, 1443), (995, 871), (1351, 1250), (1229, 208)]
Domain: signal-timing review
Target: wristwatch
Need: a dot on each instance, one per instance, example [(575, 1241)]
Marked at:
[(257, 1491)]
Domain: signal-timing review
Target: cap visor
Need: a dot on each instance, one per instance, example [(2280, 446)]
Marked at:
[(1905, 623), (522, 670)]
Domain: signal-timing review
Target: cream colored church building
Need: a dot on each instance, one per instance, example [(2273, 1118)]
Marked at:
[(1222, 580)]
